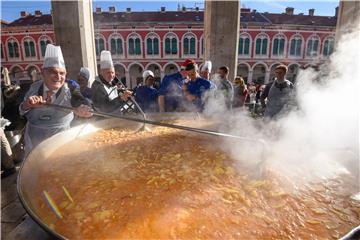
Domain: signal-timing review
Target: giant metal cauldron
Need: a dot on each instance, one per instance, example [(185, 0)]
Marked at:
[(29, 172)]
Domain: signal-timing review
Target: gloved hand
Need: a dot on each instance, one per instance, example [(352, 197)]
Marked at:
[(72, 84)]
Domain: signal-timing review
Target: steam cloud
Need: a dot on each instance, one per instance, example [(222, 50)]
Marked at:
[(321, 139)]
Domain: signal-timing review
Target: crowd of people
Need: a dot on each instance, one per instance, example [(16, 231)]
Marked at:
[(186, 90)]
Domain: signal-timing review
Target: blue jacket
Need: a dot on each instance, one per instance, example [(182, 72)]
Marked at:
[(146, 97), (171, 88), (198, 88)]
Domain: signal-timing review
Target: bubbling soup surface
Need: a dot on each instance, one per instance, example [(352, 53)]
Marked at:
[(162, 184)]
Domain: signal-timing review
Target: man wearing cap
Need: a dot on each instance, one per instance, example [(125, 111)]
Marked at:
[(171, 97), (195, 88), (146, 95), (44, 121), (83, 79), (206, 70), (105, 95)]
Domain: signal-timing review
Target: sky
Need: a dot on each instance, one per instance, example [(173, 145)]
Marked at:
[(10, 9)]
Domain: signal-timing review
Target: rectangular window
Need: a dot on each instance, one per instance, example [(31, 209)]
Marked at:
[(149, 45), (113, 46), (276, 47), (42, 48), (264, 46), (27, 49), (174, 46), (258, 46), (156, 46), (192, 45), (241, 46), (167, 46), (328, 47), (32, 49), (137, 46), (131, 46), (119, 48), (309, 48), (282, 47), (315, 48), (247, 46), (99, 46), (292, 47), (186, 46), (298, 47)]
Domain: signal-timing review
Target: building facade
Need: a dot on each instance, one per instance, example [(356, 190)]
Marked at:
[(160, 41)]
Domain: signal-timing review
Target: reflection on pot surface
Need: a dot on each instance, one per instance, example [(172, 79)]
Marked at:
[(114, 184)]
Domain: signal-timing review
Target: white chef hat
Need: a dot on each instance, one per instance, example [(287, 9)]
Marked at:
[(106, 60), (147, 73), (85, 72), (207, 65), (53, 57)]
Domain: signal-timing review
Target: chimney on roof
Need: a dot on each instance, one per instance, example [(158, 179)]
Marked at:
[(197, 9), (336, 11), (24, 14), (183, 8), (38, 13), (98, 9), (162, 9), (128, 10), (289, 10), (112, 9), (311, 12)]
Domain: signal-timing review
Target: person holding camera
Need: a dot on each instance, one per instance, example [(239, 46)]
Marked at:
[(105, 90)]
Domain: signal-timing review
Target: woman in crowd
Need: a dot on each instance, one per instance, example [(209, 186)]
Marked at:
[(240, 92)]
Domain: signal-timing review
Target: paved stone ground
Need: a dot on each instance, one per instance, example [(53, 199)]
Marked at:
[(15, 223)]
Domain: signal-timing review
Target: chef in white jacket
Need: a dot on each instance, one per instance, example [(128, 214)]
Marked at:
[(105, 95), (44, 121)]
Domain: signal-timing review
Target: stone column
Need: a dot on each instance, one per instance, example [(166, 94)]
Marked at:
[(267, 76), (74, 32), (249, 79), (348, 17), (222, 24), (128, 80)]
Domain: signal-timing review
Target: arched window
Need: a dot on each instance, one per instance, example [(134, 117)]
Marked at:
[(295, 46), (328, 46), (116, 45), (312, 46), (189, 43), (99, 45), (43, 42), (29, 47), (152, 45), (244, 44), (261, 45), (134, 45), (13, 48), (171, 45), (278, 45)]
